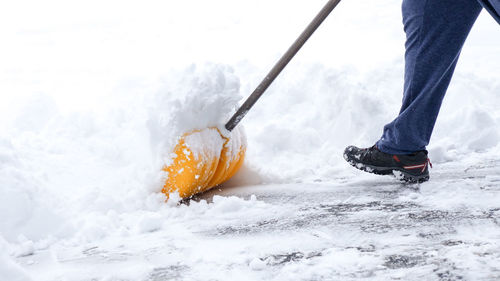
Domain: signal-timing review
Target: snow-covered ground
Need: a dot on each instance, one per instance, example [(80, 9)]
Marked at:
[(93, 95)]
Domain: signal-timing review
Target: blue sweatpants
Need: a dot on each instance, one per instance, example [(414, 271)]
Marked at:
[(435, 33)]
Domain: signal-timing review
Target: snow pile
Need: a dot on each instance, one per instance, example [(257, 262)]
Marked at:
[(197, 98), (470, 120), (24, 206), (319, 114), (64, 174)]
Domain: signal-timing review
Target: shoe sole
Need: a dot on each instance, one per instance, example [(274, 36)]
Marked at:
[(397, 172)]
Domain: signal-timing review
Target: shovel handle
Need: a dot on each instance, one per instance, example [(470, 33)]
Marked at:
[(280, 65)]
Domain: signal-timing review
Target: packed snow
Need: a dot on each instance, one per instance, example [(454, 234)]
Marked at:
[(94, 95)]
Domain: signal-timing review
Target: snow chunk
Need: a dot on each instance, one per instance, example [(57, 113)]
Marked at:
[(197, 98), (257, 264), (149, 222)]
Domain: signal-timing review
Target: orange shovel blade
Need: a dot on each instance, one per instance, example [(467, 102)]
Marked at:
[(203, 159)]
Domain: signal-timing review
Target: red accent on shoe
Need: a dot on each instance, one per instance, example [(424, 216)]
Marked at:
[(395, 157), (423, 166)]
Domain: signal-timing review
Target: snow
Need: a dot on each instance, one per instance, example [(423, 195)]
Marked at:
[(93, 98)]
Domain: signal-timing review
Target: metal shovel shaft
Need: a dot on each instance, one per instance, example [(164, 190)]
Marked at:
[(281, 64)]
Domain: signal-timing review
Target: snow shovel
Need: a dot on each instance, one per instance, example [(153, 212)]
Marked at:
[(206, 158)]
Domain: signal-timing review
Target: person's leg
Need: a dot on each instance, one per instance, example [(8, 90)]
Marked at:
[(493, 7), (435, 33)]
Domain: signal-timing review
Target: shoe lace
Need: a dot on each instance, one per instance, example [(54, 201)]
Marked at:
[(367, 153)]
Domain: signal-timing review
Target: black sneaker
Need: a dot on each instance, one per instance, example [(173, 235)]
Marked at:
[(412, 168)]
